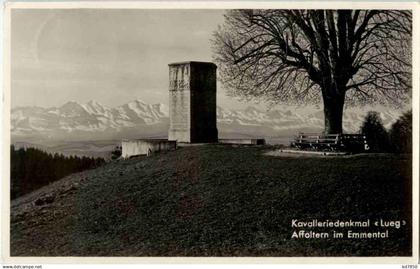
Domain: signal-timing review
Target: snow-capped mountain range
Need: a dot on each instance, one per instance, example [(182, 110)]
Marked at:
[(136, 119)]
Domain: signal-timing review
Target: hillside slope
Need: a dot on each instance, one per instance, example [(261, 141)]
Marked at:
[(215, 200)]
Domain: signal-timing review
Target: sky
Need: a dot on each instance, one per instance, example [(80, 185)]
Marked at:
[(108, 55)]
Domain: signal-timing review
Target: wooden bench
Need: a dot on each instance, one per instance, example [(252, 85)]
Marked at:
[(330, 142), (354, 142)]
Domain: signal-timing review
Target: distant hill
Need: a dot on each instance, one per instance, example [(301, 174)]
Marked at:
[(216, 200), (96, 148), (94, 121)]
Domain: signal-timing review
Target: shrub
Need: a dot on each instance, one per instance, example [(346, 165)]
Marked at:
[(401, 134), (376, 134), (116, 153)]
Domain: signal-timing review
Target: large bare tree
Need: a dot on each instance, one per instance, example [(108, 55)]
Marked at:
[(305, 56)]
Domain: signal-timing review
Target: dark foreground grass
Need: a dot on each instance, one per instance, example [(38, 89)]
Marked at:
[(223, 201)]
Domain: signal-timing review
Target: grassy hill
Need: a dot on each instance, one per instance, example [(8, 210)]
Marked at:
[(215, 200)]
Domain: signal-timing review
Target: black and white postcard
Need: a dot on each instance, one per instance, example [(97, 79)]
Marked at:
[(273, 130)]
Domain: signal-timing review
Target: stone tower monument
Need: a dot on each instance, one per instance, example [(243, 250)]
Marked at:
[(192, 102)]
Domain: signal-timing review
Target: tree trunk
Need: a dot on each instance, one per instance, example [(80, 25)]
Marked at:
[(333, 114)]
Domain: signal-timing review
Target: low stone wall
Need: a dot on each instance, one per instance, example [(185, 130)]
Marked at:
[(138, 147), (243, 141)]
